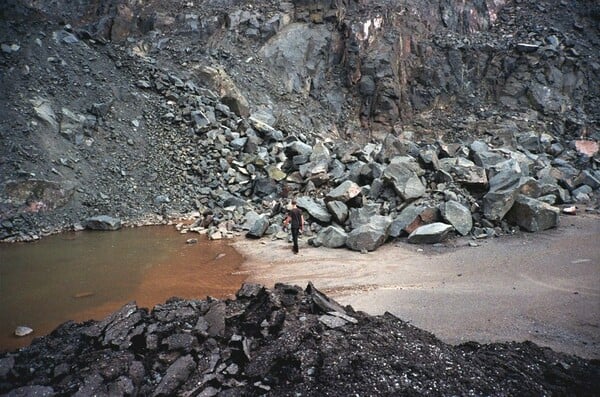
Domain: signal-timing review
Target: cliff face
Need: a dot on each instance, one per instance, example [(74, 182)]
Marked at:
[(103, 91)]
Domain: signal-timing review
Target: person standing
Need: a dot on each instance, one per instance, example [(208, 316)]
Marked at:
[(296, 220)]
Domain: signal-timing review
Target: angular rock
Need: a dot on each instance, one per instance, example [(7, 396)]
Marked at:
[(588, 177), (298, 147), (346, 191), (316, 209), (391, 147), (362, 216), (338, 210), (102, 222), (275, 173), (487, 159), (369, 236), (504, 188), (405, 181), (176, 374), (458, 216), (6, 366), (430, 234), (259, 227), (265, 187), (465, 171), (533, 215), (331, 237), (43, 110)]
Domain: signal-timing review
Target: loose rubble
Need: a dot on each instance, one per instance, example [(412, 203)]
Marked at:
[(280, 342)]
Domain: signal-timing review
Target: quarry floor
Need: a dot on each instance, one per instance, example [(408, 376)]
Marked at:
[(543, 287)]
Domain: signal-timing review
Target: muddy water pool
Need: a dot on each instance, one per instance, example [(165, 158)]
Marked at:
[(87, 275)]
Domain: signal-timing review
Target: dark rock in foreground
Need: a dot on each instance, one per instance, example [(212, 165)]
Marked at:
[(281, 342)]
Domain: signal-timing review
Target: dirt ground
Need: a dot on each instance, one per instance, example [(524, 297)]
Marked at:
[(542, 287)]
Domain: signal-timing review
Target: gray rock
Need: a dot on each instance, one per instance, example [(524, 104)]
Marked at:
[(504, 188), (332, 321), (338, 210), (180, 341), (464, 171), (265, 187), (215, 316), (346, 191), (249, 290), (458, 216), (275, 173), (259, 227), (6, 365), (533, 215), (299, 147), (430, 234), (405, 218), (102, 222), (320, 153), (331, 237), (369, 236), (70, 122), (530, 187), (582, 193), (487, 159), (405, 181), (546, 99), (162, 199), (238, 143), (316, 209), (588, 177), (362, 216), (176, 374), (43, 110), (391, 147)]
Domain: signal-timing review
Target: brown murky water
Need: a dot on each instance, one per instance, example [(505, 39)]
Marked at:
[(87, 275)]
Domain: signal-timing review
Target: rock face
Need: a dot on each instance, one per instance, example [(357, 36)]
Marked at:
[(277, 342)]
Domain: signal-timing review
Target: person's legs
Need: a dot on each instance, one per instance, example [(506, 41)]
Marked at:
[(295, 233)]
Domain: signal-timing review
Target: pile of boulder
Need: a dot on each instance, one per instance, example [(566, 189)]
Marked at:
[(281, 342)]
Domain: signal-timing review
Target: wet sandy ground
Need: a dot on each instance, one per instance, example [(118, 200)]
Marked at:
[(542, 287)]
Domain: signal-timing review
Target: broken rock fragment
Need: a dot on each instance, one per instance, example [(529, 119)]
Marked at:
[(430, 234), (533, 215)]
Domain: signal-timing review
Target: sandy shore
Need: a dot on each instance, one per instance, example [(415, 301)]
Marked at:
[(543, 287)]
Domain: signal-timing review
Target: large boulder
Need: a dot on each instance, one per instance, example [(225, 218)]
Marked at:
[(533, 215), (346, 191), (464, 171), (404, 180), (458, 216), (330, 237), (338, 210), (258, 227), (362, 216), (504, 187), (430, 234), (316, 209), (102, 222), (413, 217), (370, 236)]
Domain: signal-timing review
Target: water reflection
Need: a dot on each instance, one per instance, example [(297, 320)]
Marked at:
[(78, 276)]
